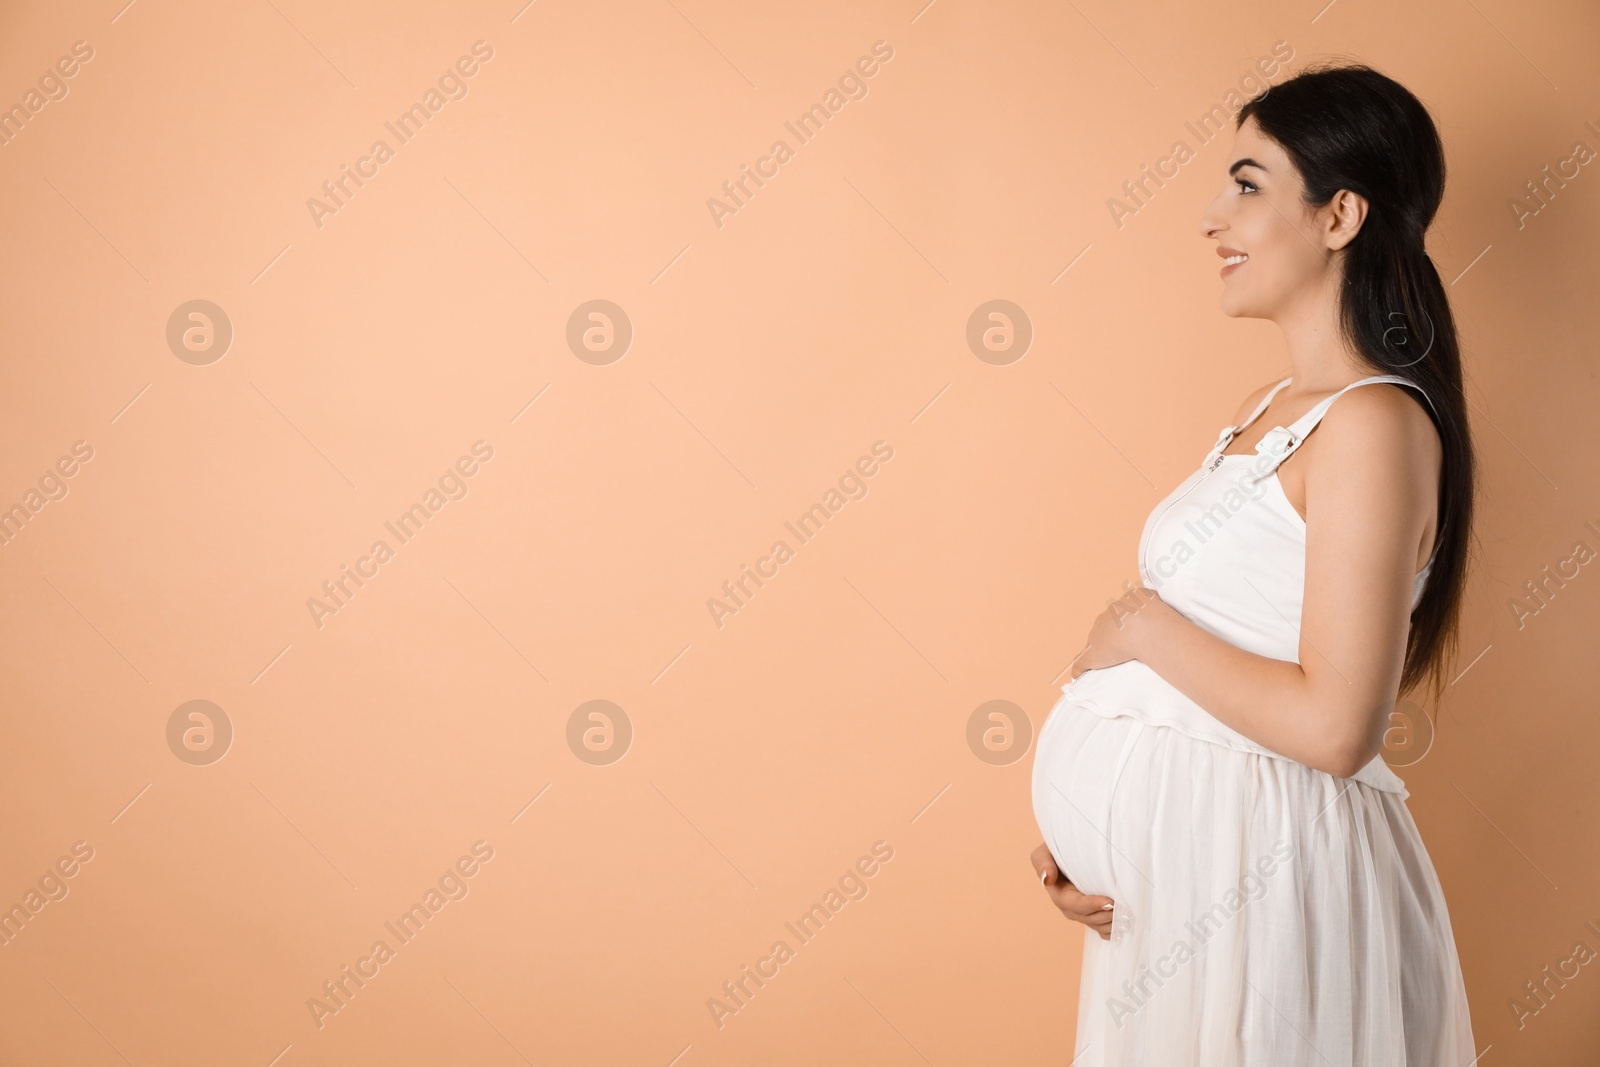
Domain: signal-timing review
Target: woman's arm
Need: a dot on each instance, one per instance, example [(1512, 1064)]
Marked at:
[(1371, 482)]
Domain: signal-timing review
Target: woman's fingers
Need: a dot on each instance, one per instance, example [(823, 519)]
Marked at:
[(1093, 910), (1081, 906), (1043, 863), (1089, 909)]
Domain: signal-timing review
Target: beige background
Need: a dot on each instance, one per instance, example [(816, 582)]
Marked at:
[(767, 356)]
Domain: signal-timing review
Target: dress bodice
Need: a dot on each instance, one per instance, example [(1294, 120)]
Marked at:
[(1226, 549)]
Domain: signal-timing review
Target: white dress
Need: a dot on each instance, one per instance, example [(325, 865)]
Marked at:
[(1267, 914)]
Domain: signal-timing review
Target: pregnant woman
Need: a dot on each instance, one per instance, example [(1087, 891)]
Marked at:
[(1209, 785)]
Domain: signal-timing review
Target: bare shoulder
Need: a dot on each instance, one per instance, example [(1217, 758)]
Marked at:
[(1383, 426), (1251, 401)]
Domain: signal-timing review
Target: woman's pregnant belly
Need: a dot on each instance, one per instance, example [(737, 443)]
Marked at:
[(1077, 768)]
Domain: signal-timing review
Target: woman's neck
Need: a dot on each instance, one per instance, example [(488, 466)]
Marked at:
[(1320, 359)]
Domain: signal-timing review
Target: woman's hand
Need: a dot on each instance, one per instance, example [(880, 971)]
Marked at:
[(1092, 911), (1115, 636)]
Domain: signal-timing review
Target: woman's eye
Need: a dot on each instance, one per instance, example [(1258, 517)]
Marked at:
[(1245, 186)]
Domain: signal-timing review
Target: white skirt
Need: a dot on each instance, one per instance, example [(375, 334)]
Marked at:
[(1267, 914)]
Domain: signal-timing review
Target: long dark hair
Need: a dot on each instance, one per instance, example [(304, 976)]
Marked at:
[(1346, 126)]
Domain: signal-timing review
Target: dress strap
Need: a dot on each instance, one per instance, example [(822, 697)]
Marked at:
[(1229, 432), (1280, 442)]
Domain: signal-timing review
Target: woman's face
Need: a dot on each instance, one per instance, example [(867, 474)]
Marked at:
[(1260, 215)]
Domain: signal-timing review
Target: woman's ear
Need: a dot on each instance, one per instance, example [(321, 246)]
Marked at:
[(1345, 214)]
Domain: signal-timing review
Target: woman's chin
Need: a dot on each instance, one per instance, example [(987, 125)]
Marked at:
[(1236, 307)]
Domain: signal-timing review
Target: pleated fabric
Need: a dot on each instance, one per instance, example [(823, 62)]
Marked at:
[(1267, 914)]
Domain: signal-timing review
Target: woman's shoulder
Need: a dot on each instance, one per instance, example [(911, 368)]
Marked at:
[(1251, 401), (1370, 427), (1386, 414)]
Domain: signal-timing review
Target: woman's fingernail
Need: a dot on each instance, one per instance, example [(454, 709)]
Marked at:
[(1044, 875), (1107, 907)]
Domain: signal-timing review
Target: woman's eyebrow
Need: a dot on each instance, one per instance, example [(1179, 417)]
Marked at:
[(1246, 162)]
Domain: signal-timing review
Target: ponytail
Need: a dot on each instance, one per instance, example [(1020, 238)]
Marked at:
[(1349, 127)]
